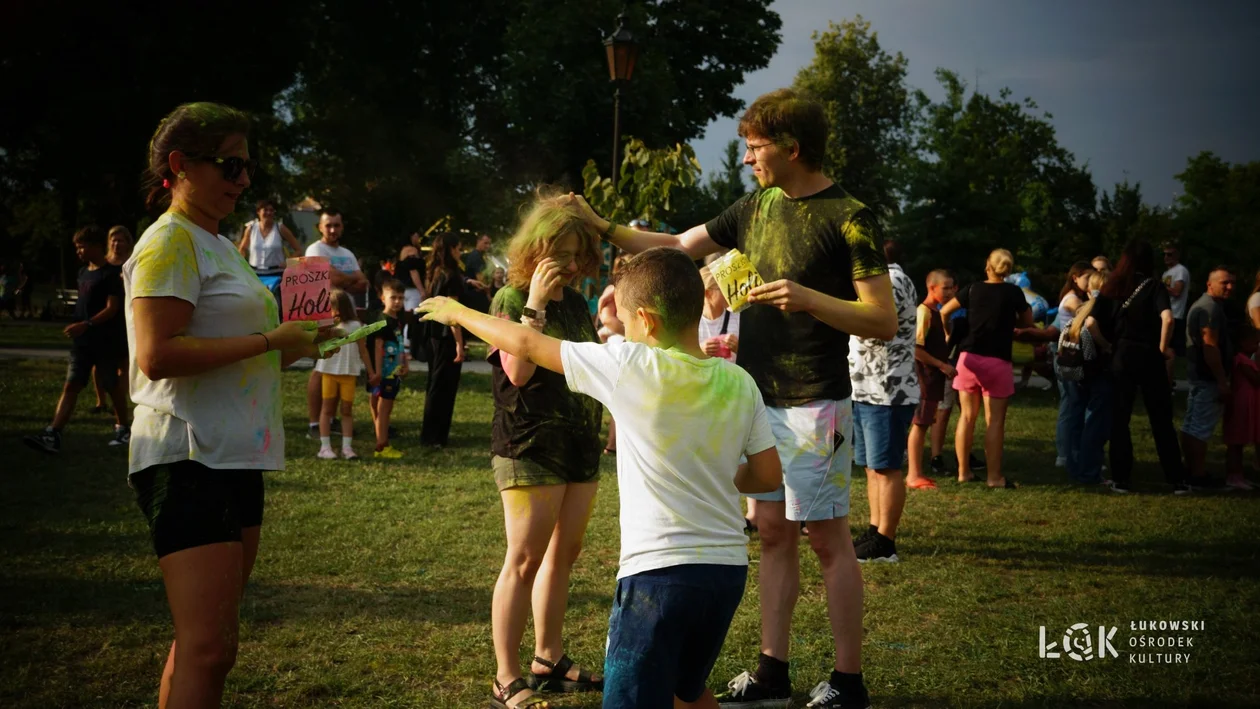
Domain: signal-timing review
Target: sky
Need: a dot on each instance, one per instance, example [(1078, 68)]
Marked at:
[(1136, 87)]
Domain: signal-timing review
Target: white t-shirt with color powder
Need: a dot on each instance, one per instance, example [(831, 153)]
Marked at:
[(346, 361), (682, 425), (1171, 276), (343, 260), (228, 418)]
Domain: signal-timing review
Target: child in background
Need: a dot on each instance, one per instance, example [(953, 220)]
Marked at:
[(340, 379), (1242, 411), (388, 366), (684, 420)]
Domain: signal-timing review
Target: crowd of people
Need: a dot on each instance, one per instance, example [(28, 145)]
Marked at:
[(836, 361)]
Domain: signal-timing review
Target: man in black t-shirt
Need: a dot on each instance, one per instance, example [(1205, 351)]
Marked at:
[(818, 251), (96, 336)]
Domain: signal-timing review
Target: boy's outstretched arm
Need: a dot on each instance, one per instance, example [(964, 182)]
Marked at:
[(515, 339)]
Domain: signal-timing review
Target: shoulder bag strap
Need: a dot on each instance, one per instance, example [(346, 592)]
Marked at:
[(726, 321)]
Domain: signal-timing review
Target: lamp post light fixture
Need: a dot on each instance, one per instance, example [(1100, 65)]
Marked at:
[(623, 51)]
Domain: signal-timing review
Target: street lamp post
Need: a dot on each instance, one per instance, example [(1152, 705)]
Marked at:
[(623, 51)]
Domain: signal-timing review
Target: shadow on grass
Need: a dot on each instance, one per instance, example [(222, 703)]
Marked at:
[(920, 702), (1161, 558)]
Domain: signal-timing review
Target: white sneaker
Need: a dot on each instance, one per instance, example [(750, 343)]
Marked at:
[(349, 454), (326, 454)]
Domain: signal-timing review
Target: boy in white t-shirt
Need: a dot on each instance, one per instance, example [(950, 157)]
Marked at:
[(684, 420)]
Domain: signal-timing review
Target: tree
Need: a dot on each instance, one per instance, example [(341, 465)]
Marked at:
[(84, 86), (429, 108), (1118, 216), (987, 173), (646, 181), (869, 108), (701, 202), (1217, 215)]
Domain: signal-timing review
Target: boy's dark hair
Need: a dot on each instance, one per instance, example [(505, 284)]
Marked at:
[(787, 115), (666, 281), (91, 234), (330, 212), (392, 284), (892, 251)]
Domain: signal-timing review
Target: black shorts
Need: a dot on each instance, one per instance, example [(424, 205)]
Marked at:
[(105, 358), (189, 505), (1179, 337)]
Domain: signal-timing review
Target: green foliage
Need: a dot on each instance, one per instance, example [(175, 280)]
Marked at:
[(399, 113), (1218, 216), (645, 183), (870, 110), (989, 173), (701, 202)]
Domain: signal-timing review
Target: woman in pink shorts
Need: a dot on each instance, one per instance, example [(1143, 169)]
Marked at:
[(994, 309)]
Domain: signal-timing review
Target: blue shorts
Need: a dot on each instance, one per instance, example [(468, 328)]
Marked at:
[(665, 633), (387, 389), (879, 434), (1203, 410), (815, 445)]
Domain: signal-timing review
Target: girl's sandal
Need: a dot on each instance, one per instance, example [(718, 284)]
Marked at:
[(501, 696), (557, 680)]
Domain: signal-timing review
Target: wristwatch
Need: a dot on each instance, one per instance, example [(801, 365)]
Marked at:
[(532, 314), (608, 233)]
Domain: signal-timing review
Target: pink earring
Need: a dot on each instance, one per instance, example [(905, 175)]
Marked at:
[(166, 184)]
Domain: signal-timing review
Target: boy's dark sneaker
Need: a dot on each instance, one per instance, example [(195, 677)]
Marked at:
[(745, 692), (122, 436), (877, 548), (938, 464), (975, 462), (47, 440), (1180, 489), (824, 696)]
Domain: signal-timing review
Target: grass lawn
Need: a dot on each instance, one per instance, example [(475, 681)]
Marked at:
[(33, 334), (373, 584)]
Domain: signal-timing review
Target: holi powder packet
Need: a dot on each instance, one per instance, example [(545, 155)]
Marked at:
[(735, 275), (355, 336), (305, 290)]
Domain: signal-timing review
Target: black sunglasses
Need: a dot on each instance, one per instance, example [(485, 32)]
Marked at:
[(231, 167)]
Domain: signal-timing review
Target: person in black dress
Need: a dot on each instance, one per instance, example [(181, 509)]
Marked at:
[(446, 344)]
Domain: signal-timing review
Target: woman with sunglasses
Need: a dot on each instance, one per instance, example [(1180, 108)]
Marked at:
[(206, 347)]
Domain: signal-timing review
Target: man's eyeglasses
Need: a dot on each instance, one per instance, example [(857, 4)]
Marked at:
[(232, 167), (750, 148)]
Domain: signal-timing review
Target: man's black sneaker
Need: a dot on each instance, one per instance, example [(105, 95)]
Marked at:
[(47, 440), (864, 536), (122, 436), (877, 548), (1206, 483), (1182, 489), (824, 696), (745, 692), (938, 464)]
